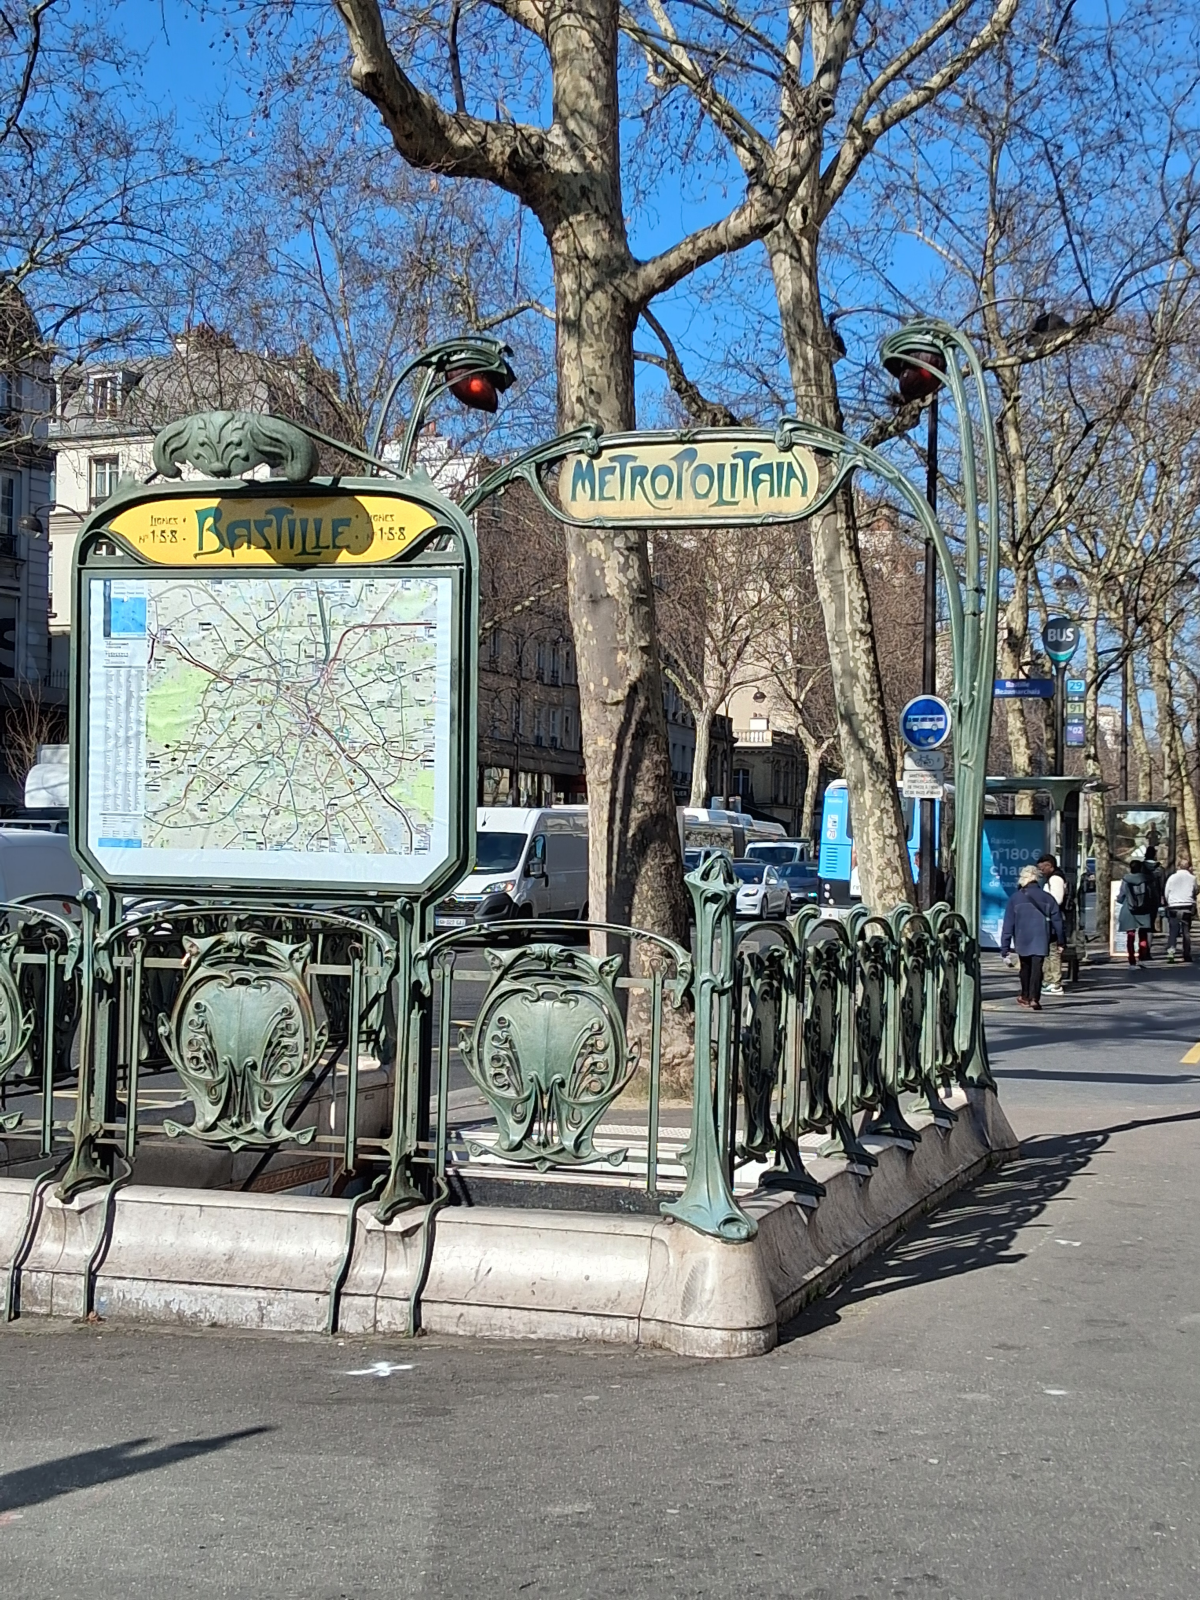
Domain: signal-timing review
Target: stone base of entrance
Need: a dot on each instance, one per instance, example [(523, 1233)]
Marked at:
[(208, 1258)]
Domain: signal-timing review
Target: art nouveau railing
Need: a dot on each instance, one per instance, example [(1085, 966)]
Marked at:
[(40, 954), (337, 1050)]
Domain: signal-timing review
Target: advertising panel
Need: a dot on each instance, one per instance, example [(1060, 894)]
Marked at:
[(1009, 843)]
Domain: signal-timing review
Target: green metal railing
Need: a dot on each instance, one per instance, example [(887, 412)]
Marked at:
[(39, 1016), (655, 1077)]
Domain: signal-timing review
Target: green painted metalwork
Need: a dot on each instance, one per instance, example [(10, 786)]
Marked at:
[(243, 1037), (473, 355), (548, 1051), (707, 1202), (224, 444)]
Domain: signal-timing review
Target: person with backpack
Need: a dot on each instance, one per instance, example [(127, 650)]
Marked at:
[(1055, 885), (1030, 917), (1180, 897), (1137, 904)]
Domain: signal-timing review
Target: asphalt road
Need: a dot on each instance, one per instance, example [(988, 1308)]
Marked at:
[(1003, 1407)]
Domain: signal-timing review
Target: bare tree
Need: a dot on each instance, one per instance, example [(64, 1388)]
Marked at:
[(887, 66), (567, 172), (714, 589)]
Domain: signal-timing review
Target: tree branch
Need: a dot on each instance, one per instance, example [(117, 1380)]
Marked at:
[(707, 413), (512, 155), (525, 13), (862, 137)]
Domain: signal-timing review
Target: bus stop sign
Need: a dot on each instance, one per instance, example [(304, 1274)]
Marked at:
[(925, 722), (1060, 639)]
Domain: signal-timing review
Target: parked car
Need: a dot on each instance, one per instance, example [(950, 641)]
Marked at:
[(761, 891), (36, 860), (529, 862), (803, 882), (696, 858)]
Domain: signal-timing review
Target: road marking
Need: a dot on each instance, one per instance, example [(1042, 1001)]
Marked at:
[(1192, 1059)]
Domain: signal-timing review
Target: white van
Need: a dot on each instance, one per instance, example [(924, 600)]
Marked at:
[(36, 860), (529, 862), (780, 852)]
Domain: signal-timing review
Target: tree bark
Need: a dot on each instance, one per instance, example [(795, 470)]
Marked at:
[(868, 759), (704, 721)]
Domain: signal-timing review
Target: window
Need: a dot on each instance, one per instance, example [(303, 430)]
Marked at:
[(106, 395), (541, 663), (568, 730), (105, 470), (555, 728), (494, 648), (8, 510), (8, 394), (539, 725)]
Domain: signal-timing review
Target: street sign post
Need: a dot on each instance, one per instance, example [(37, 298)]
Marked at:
[(1060, 640), (924, 775), (925, 722)]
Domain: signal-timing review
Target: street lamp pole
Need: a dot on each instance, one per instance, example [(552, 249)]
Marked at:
[(929, 647)]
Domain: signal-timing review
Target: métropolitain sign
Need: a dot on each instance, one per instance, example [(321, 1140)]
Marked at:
[(725, 480)]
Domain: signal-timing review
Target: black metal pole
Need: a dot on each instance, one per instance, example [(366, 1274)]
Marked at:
[(1060, 713), (1125, 729), (929, 650)]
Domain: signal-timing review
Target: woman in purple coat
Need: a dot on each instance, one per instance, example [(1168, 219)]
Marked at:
[(1029, 918)]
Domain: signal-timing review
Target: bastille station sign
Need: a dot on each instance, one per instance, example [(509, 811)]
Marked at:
[(273, 687), (742, 478)]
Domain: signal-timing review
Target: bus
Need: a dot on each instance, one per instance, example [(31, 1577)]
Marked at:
[(837, 868)]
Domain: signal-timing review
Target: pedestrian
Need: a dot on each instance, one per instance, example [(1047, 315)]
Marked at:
[(1135, 917), (1157, 880), (1180, 896), (1055, 884), (1030, 917)]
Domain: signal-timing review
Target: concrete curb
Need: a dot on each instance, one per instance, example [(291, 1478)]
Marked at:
[(198, 1257)]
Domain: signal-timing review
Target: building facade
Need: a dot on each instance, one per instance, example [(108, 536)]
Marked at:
[(32, 698)]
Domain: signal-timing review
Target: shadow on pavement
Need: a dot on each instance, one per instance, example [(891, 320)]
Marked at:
[(30, 1486), (978, 1229)]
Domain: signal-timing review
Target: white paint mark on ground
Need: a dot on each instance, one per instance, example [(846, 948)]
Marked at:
[(1075, 1242), (380, 1369), (1055, 1391)]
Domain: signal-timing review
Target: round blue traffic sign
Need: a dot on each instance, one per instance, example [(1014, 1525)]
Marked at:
[(925, 722)]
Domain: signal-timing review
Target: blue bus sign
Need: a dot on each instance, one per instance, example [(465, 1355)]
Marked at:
[(925, 722)]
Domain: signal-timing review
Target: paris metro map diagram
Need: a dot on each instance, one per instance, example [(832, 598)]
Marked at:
[(237, 724)]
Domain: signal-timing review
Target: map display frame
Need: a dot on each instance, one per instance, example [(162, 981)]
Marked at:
[(272, 693)]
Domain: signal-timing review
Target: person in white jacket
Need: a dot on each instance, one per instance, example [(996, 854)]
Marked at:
[(1055, 885), (1180, 897)]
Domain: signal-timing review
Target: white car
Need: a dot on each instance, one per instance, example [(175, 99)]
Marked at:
[(761, 891)]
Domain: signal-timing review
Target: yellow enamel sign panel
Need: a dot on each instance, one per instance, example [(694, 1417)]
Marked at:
[(312, 530), (712, 480)]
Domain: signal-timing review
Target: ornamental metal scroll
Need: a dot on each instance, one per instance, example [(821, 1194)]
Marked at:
[(827, 1038), (17, 1014), (549, 1054), (877, 1025), (918, 1009), (224, 444), (768, 998), (243, 1038)]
